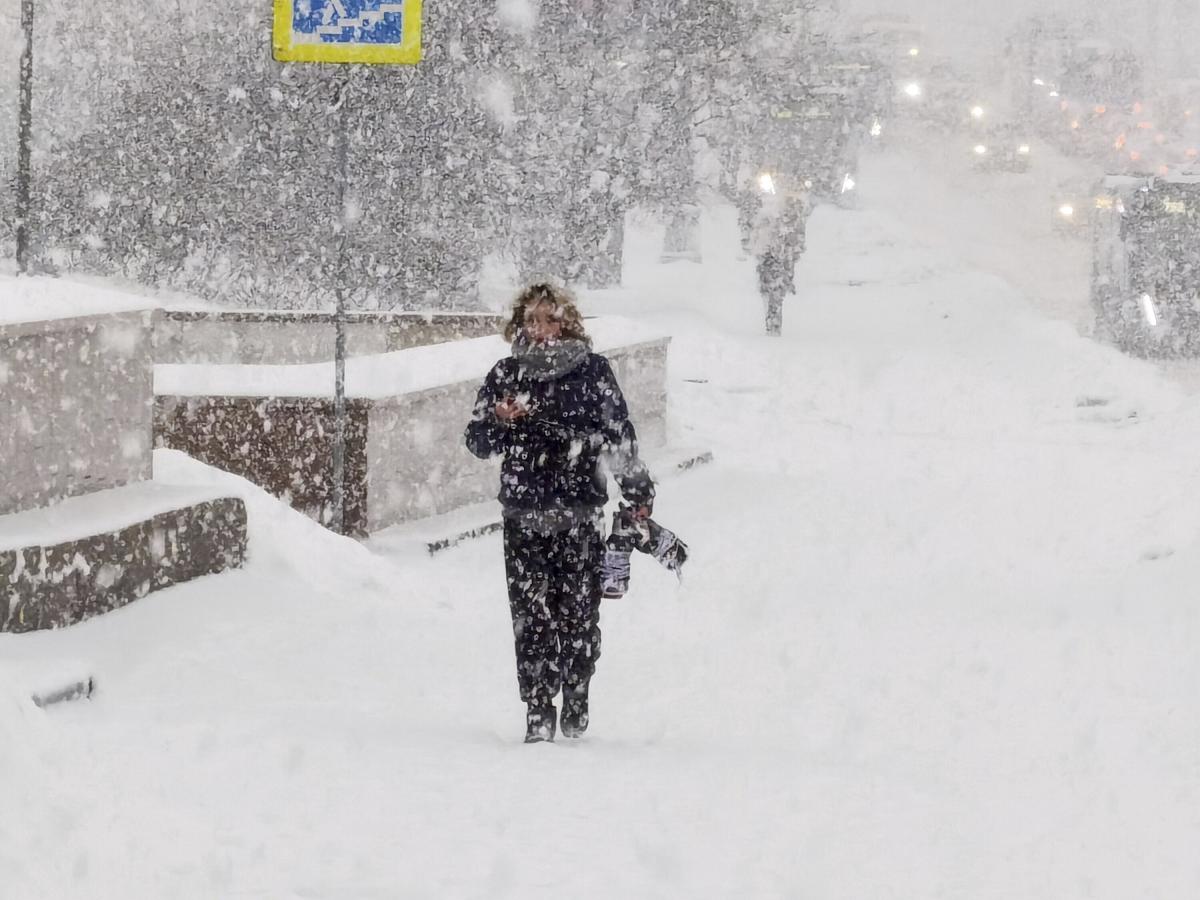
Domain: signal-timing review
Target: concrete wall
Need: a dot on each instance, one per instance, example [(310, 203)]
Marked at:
[(90, 425), (642, 373), (60, 584), (417, 464), (282, 444), (297, 338)]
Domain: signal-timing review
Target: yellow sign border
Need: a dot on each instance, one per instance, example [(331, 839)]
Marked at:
[(408, 52)]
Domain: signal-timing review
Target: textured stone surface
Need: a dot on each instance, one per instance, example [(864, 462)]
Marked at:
[(76, 403), (282, 444), (60, 585)]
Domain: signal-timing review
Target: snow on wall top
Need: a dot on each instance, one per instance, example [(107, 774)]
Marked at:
[(101, 512), (377, 376), (40, 298)]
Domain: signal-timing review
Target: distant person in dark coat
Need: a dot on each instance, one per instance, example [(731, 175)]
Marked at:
[(554, 412)]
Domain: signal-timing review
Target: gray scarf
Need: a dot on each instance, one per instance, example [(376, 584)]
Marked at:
[(551, 361)]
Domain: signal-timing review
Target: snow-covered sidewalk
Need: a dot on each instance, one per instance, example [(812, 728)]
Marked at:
[(937, 639)]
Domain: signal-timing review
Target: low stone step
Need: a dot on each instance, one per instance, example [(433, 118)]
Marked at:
[(91, 554)]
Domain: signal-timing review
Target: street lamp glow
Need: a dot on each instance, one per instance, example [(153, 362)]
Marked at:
[(976, 112), (1067, 211), (981, 149), (913, 89)]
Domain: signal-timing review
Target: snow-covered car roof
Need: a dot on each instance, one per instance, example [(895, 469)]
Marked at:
[(1183, 176)]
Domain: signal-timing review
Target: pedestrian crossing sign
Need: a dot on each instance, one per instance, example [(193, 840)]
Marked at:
[(348, 31)]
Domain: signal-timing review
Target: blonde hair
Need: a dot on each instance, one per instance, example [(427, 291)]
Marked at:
[(564, 305)]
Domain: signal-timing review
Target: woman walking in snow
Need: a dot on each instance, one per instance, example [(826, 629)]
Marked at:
[(554, 411)]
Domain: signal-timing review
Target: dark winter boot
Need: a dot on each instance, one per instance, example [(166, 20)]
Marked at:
[(575, 711), (540, 722)]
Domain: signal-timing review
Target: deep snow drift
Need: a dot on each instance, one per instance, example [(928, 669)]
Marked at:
[(936, 640)]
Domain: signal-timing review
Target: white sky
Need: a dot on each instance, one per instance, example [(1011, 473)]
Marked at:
[(967, 28)]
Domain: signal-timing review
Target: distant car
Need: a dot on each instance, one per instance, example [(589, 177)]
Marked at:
[(950, 105), (1146, 264), (1143, 151), (1072, 206), (822, 148), (830, 182), (910, 96), (1001, 149), (1087, 130), (949, 97)]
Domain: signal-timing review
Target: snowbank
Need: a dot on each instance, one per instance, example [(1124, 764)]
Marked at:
[(280, 539), (38, 298), (43, 793)]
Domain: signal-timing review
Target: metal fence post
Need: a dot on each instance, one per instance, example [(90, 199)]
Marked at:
[(24, 139), (338, 522)]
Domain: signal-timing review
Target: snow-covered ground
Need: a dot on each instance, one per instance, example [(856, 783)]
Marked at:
[(937, 639)]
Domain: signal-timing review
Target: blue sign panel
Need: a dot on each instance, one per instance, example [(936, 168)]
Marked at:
[(348, 31)]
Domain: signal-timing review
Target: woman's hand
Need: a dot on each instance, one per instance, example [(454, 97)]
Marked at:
[(510, 409)]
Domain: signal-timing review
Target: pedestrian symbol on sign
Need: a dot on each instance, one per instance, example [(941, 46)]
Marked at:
[(348, 31)]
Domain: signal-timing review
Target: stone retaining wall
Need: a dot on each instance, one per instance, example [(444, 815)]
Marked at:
[(282, 444), (61, 584), (88, 426)]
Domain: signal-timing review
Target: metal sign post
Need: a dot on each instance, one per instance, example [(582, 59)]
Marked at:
[(368, 32), (24, 139), (338, 499)]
